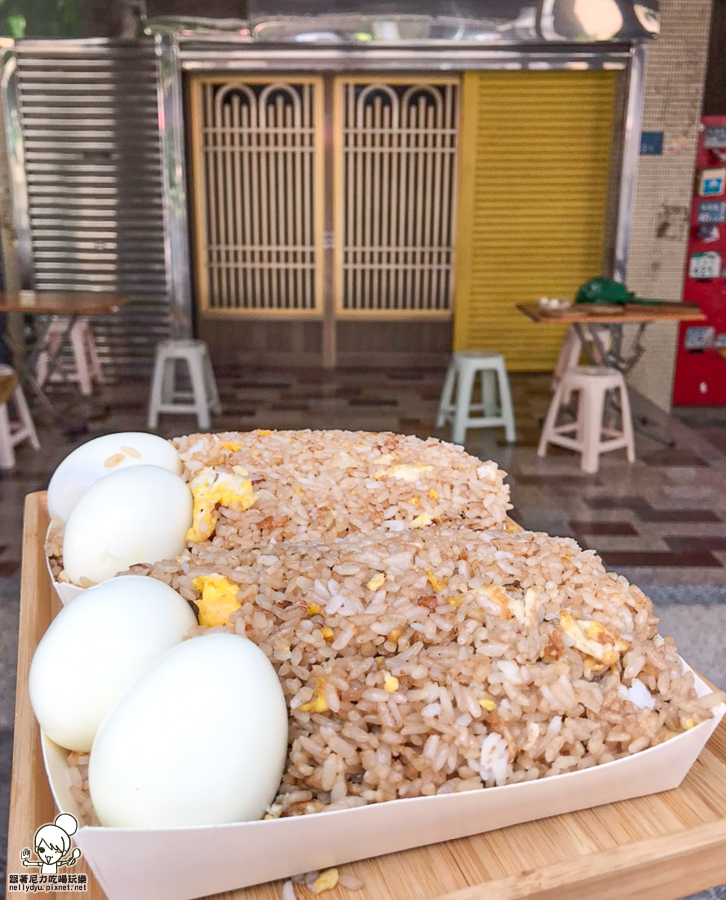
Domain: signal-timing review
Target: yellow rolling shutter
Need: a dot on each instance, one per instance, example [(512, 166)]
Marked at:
[(534, 169)]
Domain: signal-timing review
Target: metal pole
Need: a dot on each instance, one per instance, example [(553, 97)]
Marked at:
[(176, 234), (16, 169), (14, 216), (630, 160), (329, 325)]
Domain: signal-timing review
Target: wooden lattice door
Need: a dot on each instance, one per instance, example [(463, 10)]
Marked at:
[(395, 196), (324, 198), (257, 187)]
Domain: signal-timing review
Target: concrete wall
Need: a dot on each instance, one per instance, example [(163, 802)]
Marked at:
[(674, 89)]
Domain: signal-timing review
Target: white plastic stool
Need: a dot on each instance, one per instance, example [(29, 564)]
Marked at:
[(167, 398), (494, 412), (571, 350), (588, 435), (86, 364), (21, 427)]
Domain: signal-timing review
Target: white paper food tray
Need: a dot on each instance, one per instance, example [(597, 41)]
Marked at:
[(182, 863), (65, 591)]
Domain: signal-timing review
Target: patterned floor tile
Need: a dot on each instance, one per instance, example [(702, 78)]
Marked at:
[(609, 529), (647, 513), (617, 559)]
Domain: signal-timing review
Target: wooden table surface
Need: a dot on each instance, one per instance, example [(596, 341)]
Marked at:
[(62, 303), (660, 847), (634, 312)]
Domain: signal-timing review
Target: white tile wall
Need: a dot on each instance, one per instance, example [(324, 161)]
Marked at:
[(674, 88)]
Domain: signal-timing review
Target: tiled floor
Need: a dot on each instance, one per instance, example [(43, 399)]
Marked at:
[(661, 522)]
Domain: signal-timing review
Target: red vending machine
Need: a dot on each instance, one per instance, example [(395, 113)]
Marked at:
[(701, 361)]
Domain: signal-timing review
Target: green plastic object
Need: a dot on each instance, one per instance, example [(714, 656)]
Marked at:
[(604, 291)]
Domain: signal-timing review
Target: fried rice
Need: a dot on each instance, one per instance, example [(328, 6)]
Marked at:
[(424, 645), (305, 485), (308, 485), (448, 659)]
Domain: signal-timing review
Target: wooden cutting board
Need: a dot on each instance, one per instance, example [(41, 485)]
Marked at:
[(660, 847)]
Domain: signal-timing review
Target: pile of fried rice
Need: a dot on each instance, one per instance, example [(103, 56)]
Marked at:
[(422, 656), (257, 487), (305, 485)]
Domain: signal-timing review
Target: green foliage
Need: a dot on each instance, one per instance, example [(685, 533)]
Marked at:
[(41, 18)]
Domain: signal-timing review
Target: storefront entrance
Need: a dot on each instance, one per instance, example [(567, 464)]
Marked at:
[(336, 218), (324, 199)]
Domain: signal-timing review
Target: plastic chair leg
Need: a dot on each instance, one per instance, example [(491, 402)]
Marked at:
[(7, 454), (83, 371), (25, 418), (211, 383), (568, 357), (199, 391), (41, 366), (489, 382), (627, 423), (505, 393), (550, 421), (592, 430), (447, 395), (92, 351), (463, 400), (168, 381)]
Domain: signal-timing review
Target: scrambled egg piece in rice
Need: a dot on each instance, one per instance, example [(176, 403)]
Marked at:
[(593, 638), (211, 488), (318, 703), (325, 881), (421, 521), (218, 601), (403, 472)]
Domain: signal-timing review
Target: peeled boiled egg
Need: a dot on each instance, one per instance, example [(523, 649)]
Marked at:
[(101, 456), (199, 739), (136, 515), (94, 649)]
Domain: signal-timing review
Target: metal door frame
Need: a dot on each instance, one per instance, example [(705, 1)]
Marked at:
[(214, 54)]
